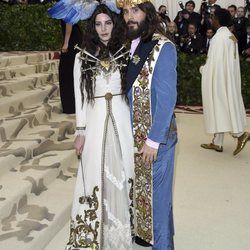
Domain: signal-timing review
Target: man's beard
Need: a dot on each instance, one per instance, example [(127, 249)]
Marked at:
[(133, 33)]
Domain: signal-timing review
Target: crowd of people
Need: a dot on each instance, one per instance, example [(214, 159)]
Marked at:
[(192, 31)]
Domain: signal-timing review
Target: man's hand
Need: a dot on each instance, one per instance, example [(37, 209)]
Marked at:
[(79, 144), (149, 154)]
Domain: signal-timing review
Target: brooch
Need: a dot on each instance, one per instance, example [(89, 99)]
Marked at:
[(136, 59)]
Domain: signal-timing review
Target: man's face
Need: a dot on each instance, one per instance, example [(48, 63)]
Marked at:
[(171, 27), (240, 12), (211, 1), (232, 11), (135, 20), (191, 29), (163, 10), (209, 33), (248, 30), (189, 7)]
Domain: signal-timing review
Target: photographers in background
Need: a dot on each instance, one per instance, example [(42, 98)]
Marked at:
[(163, 16), (191, 42), (163, 13), (194, 30), (182, 21), (207, 7), (172, 33), (187, 15)]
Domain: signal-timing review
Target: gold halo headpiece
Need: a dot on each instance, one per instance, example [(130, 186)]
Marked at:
[(122, 3)]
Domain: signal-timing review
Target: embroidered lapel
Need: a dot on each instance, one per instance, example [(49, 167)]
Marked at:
[(137, 61)]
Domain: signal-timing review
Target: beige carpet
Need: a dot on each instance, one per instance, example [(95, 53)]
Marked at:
[(37, 163), (211, 193)]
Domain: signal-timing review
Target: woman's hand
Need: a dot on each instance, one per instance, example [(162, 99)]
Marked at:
[(65, 48), (79, 144)]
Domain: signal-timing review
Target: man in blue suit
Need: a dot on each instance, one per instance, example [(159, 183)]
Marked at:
[(151, 90)]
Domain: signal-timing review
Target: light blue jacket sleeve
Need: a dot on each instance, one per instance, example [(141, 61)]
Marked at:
[(163, 93)]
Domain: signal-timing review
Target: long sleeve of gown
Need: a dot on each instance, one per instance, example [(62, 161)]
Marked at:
[(80, 107)]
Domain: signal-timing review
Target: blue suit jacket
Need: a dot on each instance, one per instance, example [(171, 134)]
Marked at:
[(163, 91)]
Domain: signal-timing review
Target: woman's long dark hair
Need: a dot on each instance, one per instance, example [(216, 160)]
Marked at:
[(92, 44)]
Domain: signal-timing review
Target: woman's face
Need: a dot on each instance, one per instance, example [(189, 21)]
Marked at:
[(104, 27)]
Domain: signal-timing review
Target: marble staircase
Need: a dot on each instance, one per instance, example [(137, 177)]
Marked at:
[(37, 162)]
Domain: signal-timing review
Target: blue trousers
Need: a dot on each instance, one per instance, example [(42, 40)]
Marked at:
[(163, 226)]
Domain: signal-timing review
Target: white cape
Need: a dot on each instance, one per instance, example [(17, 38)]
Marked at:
[(221, 85)]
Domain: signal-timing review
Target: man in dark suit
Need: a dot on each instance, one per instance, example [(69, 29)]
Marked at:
[(206, 41), (207, 12), (207, 6), (244, 43), (192, 42), (194, 17), (240, 23), (182, 21)]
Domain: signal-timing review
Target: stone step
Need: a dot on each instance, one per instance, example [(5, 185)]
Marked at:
[(60, 240), (28, 118), (28, 142), (19, 57), (16, 71), (30, 82), (33, 176), (32, 224), (12, 105), (37, 162)]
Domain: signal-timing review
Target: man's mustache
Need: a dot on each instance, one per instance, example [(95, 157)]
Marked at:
[(132, 22)]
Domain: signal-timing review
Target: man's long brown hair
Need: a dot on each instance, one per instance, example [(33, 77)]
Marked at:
[(152, 21)]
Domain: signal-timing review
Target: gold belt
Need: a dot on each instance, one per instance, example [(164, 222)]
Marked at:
[(107, 96)]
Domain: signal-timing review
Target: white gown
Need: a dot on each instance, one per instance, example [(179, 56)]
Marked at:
[(107, 169)]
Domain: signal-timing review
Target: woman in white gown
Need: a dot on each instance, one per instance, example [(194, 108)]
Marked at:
[(102, 204)]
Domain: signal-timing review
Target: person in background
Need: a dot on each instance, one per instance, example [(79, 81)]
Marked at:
[(221, 87), (163, 16), (207, 10), (172, 33), (241, 23), (182, 21), (206, 41), (233, 11), (244, 43), (72, 36), (163, 13), (191, 42)]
